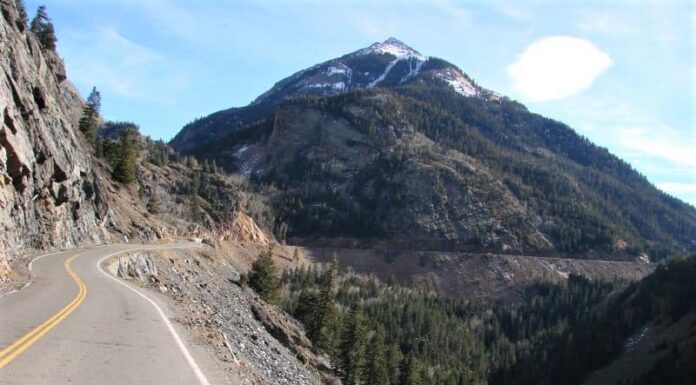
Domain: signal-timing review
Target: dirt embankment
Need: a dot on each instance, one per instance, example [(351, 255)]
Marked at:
[(475, 276)]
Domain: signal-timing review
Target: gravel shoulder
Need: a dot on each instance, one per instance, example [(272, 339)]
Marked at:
[(225, 324)]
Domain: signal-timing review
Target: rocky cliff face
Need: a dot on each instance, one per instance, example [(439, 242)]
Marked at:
[(47, 195)]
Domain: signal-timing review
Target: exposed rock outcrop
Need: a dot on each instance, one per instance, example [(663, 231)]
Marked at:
[(47, 192)]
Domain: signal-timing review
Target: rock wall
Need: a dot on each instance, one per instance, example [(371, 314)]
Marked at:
[(47, 192)]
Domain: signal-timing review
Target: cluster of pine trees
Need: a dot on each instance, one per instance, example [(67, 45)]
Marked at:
[(122, 153), (387, 334)]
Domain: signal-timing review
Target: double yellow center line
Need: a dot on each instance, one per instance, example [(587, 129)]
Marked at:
[(13, 351)]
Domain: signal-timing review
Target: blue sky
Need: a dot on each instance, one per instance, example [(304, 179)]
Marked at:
[(622, 73)]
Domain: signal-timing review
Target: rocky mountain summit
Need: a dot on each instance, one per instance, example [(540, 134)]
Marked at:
[(387, 64)]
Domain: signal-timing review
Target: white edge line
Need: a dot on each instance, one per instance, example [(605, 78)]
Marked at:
[(31, 277), (187, 355)]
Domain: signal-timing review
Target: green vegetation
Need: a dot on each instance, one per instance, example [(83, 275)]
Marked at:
[(581, 197), (117, 142), (23, 21), (89, 122), (555, 336), (125, 168), (262, 277), (42, 27)]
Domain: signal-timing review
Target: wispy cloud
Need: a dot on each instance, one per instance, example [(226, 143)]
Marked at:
[(660, 142), (556, 67), (121, 67)]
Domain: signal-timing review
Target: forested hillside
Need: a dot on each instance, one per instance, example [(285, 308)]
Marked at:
[(558, 335), (426, 166)]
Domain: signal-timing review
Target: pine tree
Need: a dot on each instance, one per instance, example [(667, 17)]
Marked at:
[(394, 358), (99, 148), (124, 171), (23, 21), (262, 277), (411, 372), (196, 184), (42, 27), (90, 115), (307, 306), (351, 349), (376, 371), (322, 326)]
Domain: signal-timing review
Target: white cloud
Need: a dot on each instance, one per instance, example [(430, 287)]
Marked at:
[(556, 67), (659, 142)]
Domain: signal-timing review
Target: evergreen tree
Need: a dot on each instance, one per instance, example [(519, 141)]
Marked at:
[(262, 276), (351, 350), (307, 307), (322, 326), (23, 20), (42, 27), (90, 115), (411, 372), (377, 372), (124, 171), (99, 148), (196, 184), (394, 357)]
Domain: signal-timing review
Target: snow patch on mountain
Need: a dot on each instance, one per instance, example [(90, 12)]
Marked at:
[(338, 86), (458, 81), (413, 70), (338, 69)]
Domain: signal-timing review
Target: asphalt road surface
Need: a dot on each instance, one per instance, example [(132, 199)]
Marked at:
[(76, 324)]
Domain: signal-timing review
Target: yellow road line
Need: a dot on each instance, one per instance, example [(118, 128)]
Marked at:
[(15, 349)]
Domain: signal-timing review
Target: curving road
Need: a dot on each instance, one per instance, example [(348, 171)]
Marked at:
[(76, 324)]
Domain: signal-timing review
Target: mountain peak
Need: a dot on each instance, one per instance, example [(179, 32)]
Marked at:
[(392, 46)]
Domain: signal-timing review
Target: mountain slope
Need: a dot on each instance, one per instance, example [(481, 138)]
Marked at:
[(405, 155), (643, 334), (657, 318), (426, 168)]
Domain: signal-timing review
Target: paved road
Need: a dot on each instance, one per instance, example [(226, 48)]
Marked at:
[(74, 324)]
